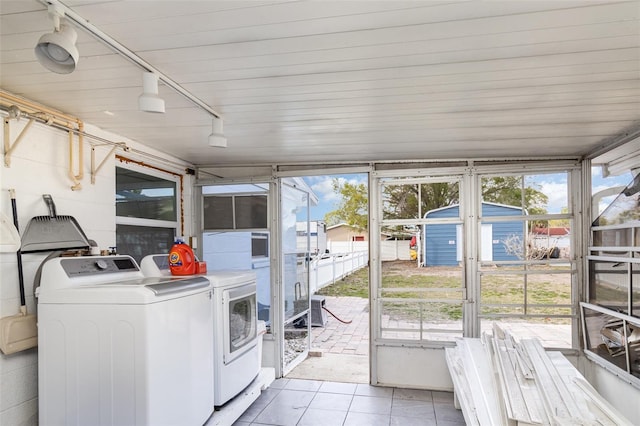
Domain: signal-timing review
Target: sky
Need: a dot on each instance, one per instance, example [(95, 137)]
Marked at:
[(551, 185), (328, 200)]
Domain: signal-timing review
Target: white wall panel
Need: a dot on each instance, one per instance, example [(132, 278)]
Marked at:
[(39, 165), (413, 367), (622, 395)]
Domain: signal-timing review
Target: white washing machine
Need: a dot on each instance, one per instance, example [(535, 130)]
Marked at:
[(118, 348), (237, 358)]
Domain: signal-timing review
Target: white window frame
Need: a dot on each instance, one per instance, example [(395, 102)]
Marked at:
[(153, 223)]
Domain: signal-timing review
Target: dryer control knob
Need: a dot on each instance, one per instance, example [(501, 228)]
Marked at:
[(101, 264)]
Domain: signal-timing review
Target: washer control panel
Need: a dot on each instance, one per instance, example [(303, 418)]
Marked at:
[(92, 265)]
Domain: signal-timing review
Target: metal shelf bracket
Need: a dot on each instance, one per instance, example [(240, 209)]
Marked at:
[(95, 169), (8, 146)]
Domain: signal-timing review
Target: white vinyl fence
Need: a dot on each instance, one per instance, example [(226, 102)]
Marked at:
[(395, 250), (333, 267), (346, 257), (390, 249)]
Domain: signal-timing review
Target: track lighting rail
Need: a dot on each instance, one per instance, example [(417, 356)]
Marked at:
[(101, 36)]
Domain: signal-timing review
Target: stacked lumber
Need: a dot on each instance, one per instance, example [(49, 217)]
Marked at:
[(501, 381)]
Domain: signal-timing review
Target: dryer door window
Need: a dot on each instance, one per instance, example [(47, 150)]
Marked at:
[(241, 332)]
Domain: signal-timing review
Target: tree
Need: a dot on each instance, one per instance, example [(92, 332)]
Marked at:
[(401, 201), (560, 223), (353, 206), (508, 190)]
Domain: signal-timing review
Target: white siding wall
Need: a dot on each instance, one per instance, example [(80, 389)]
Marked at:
[(620, 393), (39, 165)]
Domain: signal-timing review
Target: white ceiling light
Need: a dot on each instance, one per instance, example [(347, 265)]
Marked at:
[(57, 51), (149, 101), (216, 138), (89, 28)]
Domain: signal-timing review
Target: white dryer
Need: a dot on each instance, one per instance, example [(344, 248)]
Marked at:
[(237, 358), (117, 348)]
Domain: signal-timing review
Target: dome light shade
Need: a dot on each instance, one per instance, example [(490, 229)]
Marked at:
[(216, 138), (57, 51), (149, 101)]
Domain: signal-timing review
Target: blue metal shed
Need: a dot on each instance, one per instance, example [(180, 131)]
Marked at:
[(443, 242)]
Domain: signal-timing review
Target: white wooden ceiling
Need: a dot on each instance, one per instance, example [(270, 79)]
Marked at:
[(337, 81)]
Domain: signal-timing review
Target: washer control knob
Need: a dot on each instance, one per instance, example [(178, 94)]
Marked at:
[(101, 264)]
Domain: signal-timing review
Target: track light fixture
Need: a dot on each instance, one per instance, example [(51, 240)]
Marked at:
[(57, 51), (149, 101), (61, 56), (216, 138)]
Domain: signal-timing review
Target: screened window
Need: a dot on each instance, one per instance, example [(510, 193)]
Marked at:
[(139, 241), (235, 212), (614, 261), (259, 245), (146, 212), (527, 267), (236, 234), (501, 240), (218, 212), (144, 196), (611, 319)]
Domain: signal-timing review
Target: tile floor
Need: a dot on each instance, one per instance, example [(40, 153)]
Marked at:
[(291, 402)]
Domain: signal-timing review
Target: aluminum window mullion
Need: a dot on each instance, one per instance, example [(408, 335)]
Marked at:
[(425, 289), (419, 300), (621, 249), (525, 272), (375, 269), (524, 217), (614, 259), (151, 223), (400, 222), (626, 225), (630, 292)]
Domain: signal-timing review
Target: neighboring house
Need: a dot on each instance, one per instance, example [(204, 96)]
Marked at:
[(344, 238), (552, 238), (443, 242), (344, 232), (557, 234)]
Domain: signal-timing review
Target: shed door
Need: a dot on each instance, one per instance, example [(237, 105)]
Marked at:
[(486, 251)]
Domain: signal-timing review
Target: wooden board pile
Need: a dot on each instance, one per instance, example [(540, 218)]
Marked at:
[(500, 381)]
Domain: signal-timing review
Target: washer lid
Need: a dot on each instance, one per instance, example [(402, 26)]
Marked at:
[(140, 291)]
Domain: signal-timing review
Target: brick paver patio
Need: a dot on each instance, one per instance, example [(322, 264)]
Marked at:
[(353, 339), (338, 338)]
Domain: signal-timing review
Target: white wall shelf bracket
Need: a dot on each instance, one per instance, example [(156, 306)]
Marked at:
[(95, 169), (8, 146)]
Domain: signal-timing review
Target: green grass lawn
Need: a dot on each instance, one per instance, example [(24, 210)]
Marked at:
[(500, 294), (354, 285)]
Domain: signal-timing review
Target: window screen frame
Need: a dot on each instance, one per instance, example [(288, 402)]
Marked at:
[(174, 225), (234, 212)]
